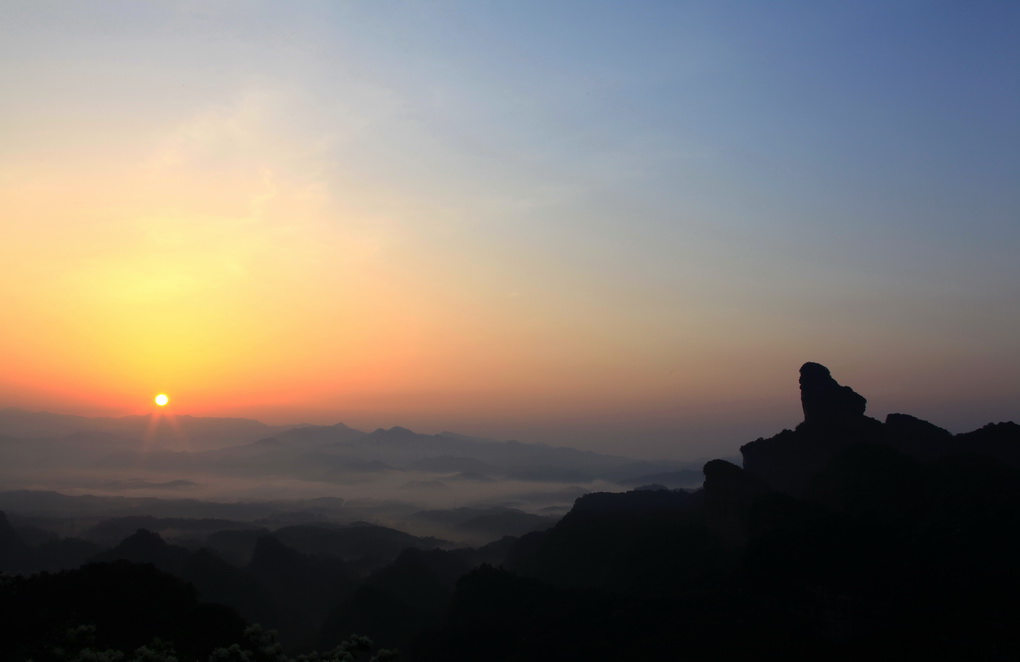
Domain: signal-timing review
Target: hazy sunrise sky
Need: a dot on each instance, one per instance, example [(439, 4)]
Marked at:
[(620, 226)]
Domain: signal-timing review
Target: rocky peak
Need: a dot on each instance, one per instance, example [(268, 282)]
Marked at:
[(824, 400), (144, 546), (833, 419)]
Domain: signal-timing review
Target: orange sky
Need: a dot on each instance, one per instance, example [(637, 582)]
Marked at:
[(504, 230)]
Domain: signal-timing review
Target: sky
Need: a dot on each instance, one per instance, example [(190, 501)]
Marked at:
[(617, 226)]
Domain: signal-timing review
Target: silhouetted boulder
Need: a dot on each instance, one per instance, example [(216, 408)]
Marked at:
[(833, 420), (824, 400)]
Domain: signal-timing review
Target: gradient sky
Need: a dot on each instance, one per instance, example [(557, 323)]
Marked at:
[(620, 226)]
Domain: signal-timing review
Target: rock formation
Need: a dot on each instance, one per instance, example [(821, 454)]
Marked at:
[(824, 400), (833, 420)]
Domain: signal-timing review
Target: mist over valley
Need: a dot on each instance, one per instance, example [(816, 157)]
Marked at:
[(385, 476)]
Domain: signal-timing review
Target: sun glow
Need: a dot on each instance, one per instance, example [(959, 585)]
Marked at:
[(162, 399)]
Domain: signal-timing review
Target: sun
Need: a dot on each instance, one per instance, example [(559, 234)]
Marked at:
[(162, 399)]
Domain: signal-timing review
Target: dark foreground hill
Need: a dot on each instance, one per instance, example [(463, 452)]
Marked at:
[(846, 538), (104, 606)]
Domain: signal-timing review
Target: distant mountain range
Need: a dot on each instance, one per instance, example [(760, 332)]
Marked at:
[(238, 444), (179, 432), (146, 453)]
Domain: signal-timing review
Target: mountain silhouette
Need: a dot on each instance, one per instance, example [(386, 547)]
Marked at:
[(834, 420), (214, 579), (844, 538), (143, 453), (303, 588), (118, 605), (187, 432)]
